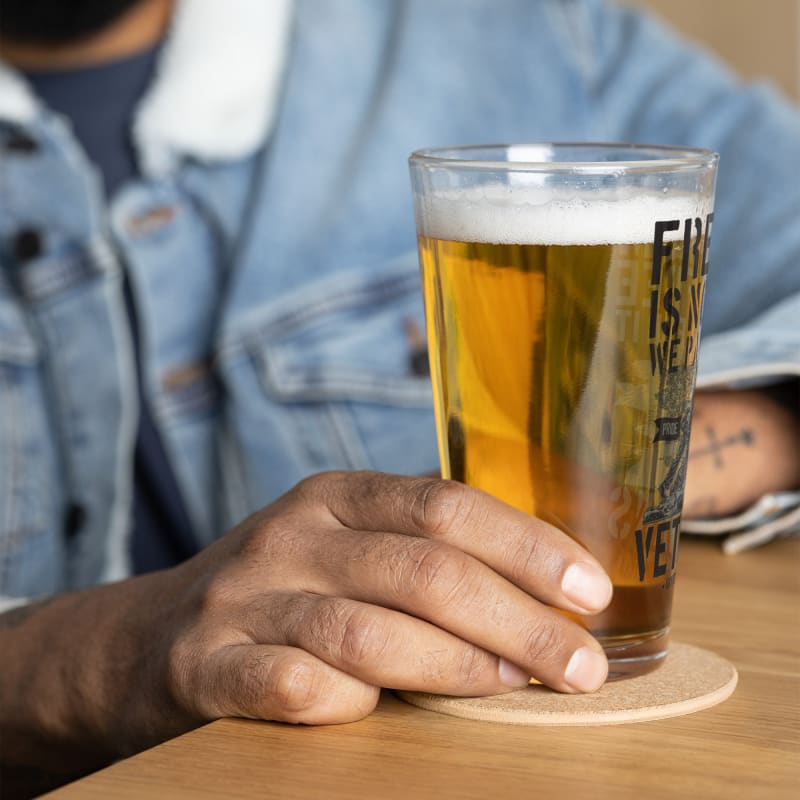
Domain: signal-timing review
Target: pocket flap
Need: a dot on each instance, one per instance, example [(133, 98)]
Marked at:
[(344, 338), (17, 346)]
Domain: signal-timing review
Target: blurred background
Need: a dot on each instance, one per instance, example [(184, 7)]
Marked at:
[(760, 38)]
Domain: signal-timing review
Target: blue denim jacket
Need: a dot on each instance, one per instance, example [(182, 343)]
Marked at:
[(276, 285)]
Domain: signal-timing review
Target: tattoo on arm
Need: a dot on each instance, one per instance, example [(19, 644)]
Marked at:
[(715, 446)]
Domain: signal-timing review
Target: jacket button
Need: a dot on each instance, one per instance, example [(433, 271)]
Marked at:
[(151, 220), (27, 245), (418, 349), (418, 363), (75, 517), (18, 142)]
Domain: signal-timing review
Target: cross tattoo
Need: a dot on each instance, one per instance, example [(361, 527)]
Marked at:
[(715, 446)]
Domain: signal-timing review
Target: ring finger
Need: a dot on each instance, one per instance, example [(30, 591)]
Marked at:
[(379, 646)]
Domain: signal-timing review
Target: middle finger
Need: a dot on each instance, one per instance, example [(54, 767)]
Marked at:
[(460, 594)]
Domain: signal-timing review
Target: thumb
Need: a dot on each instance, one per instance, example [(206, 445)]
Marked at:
[(273, 682)]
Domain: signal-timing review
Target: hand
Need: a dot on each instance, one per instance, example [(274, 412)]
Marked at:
[(355, 581), (348, 583), (743, 445)]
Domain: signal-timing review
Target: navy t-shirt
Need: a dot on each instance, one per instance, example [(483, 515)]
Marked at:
[(100, 101)]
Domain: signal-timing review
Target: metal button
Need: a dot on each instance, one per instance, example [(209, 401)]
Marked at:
[(418, 362), (27, 244), (418, 349), (75, 518), (18, 142), (151, 220)]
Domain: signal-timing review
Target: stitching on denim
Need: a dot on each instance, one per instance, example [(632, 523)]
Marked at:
[(338, 292), (8, 493), (18, 348), (236, 503), (349, 439), (200, 397), (51, 276), (14, 533), (346, 299), (341, 383)]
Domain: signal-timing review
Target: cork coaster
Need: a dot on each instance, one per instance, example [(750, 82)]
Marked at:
[(689, 680)]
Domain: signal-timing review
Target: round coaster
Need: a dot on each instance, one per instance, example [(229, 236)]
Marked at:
[(690, 679)]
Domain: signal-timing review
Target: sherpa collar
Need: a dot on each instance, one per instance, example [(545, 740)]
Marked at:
[(216, 89)]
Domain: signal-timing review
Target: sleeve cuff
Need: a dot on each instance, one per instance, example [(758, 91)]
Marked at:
[(772, 516), (766, 350), (7, 603)]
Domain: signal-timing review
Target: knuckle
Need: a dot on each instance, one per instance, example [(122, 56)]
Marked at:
[(321, 494), (369, 487), (219, 592), (441, 507), (274, 537), (318, 626), (363, 639), (309, 487), (543, 642), (307, 493), (471, 666), (528, 557), (438, 572), (347, 633), (368, 490), (294, 685), (428, 568), (315, 488)]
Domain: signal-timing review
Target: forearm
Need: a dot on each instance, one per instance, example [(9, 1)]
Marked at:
[(744, 444), (78, 681), (349, 582)]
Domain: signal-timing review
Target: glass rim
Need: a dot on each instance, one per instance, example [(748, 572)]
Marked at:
[(667, 158)]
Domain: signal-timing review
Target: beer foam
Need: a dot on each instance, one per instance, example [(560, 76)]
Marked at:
[(520, 214)]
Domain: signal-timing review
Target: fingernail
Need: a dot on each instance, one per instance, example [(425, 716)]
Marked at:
[(587, 586), (512, 675), (587, 670)]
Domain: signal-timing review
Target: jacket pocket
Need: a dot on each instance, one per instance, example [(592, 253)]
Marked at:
[(336, 366)]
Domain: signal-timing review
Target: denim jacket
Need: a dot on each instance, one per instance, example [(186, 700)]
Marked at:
[(276, 273)]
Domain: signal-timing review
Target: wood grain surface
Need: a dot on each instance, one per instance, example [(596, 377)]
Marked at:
[(745, 607)]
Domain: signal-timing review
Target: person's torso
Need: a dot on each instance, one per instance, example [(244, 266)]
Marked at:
[(275, 292)]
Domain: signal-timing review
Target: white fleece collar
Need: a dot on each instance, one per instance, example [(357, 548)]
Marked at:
[(17, 103), (216, 88)]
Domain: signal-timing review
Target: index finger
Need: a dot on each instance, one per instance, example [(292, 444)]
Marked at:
[(531, 553)]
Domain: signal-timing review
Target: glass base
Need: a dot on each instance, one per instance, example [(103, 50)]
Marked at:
[(629, 656)]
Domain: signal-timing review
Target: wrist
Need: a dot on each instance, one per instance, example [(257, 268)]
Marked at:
[(83, 682)]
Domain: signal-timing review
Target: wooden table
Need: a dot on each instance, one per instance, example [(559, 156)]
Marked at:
[(745, 607)]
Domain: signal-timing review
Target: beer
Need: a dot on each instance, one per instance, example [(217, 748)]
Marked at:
[(563, 341)]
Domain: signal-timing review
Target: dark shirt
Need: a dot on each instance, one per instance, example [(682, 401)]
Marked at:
[(99, 101)]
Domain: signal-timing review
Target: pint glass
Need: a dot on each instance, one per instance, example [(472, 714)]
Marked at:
[(564, 288)]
